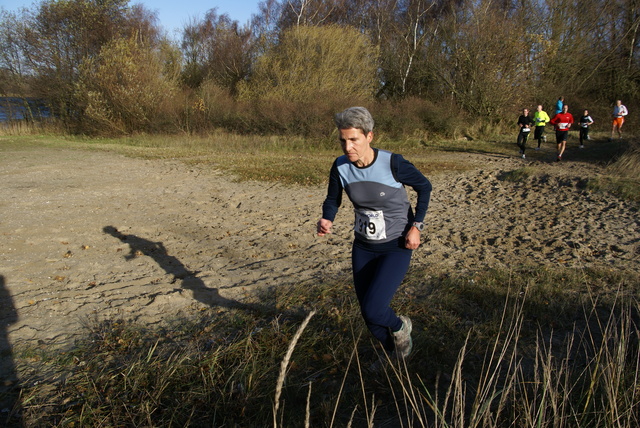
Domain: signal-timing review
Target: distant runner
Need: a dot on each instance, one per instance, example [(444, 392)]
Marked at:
[(585, 122), (562, 122), (540, 118), (524, 124), (619, 112)]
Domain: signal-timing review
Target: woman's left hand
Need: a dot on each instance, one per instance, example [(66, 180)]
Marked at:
[(412, 240)]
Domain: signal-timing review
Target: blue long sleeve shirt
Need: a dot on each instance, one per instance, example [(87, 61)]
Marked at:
[(403, 172)]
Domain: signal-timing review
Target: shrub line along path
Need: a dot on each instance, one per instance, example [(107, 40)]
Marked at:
[(93, 235)]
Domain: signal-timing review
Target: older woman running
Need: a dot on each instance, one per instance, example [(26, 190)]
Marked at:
[(386, 228)]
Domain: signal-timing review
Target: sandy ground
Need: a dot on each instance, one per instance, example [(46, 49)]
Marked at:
[(93, 235)]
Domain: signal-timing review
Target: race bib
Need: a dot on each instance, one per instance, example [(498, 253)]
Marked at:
[(370, 225), (526, 129), (563, 125)]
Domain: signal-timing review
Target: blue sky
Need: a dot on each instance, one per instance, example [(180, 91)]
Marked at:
[(174, 14)]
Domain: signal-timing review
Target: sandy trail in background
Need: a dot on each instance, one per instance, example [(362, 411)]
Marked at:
[(93, 235)]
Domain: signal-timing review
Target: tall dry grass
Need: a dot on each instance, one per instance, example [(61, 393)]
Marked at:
[(306, 360), (25, 128), (628, 165), (622, 175), (583, 378)]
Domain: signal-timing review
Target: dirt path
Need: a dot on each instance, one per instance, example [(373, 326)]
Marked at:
[(92, 235)]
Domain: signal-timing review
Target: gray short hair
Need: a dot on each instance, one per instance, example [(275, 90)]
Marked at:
[(355, 117)]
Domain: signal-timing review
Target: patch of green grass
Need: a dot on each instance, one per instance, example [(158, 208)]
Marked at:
[(306, 162), (623, 188), (517, 175), (276, 159), (501, 146), (622, 175)]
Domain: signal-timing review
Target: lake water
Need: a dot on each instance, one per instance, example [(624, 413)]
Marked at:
[(14, 108)]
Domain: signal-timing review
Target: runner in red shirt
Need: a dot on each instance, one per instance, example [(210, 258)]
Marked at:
[(562, 122)]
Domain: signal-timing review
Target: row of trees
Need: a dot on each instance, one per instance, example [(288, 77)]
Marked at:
[(105, 66)]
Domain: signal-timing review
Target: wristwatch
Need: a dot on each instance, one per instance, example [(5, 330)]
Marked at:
[(418, 225)]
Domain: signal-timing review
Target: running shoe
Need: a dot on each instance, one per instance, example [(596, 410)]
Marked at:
[(581, 146), (523, 156), (402, 338)]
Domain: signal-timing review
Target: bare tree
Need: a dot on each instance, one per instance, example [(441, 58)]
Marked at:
[(414, 35), (486, 64), (216, 49), (13, 67)]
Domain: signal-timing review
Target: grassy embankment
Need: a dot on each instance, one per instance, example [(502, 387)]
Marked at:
[(532, 346)]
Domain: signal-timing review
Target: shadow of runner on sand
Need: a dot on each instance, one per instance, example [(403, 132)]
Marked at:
[(173, 266), (10, 405)]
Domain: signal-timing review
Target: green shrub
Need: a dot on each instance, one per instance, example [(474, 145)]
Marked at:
[(313, 63), (123, 90)]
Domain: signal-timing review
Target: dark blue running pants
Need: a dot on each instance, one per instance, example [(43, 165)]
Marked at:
[(376, 278)]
